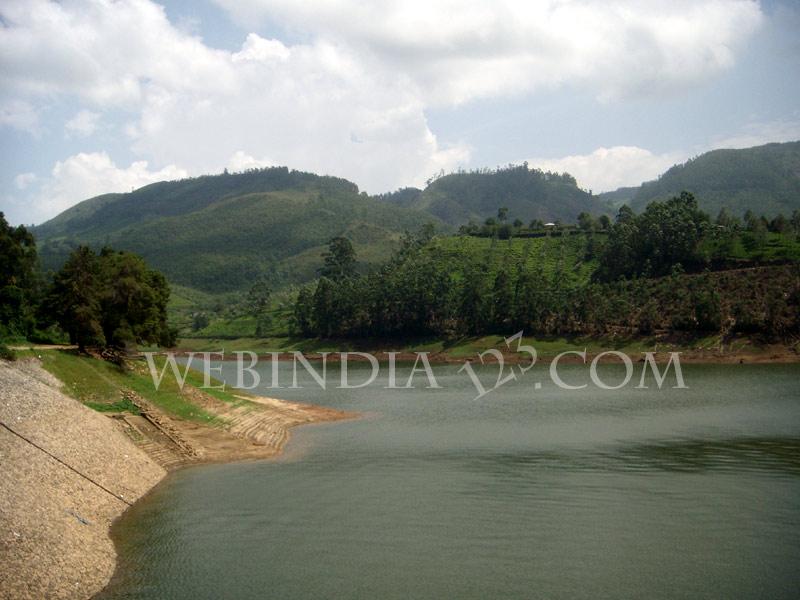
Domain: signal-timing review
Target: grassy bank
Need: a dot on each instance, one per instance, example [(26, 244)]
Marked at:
[(100, 384)]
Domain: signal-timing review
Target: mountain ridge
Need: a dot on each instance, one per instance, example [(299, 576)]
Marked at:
[(273, 222), (764, 179)]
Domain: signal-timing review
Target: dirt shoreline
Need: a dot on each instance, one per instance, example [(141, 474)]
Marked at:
[(779, 354), (68, 472)]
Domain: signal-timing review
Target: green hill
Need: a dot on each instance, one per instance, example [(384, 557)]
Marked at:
[(618, 197), (217, 233), (527, 193), (764, 179)]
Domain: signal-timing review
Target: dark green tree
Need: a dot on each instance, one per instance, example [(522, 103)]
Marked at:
[(665, 234), (133, 301), (472, 302), (324, 322), (200, 321), (780, 224), (340, 260), (19, 288), (304, 311), (110, 299), (257, 303), (502, 301), (73, 299), (586, 221), (625, 214)]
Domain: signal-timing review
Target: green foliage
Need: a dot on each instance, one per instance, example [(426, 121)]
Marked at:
[(110, 299), (7, 353), (99, 384), (651, 244), (73, 299), (124, 405), (220, 233), (515, 192), (200, 321), (304, 311), (448, 287), (339, 259), (586, 222), (443, 286), (257, 303), (764, 176), (19, 286)]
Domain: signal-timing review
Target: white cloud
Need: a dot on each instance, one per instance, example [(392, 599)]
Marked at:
[(315, 107), (457, 50), (83, 176), (20, 115), (758, 133), (103, 52), (607, 169), (351, 98), (83, 124), (23, 180), (320, 106), (240, 161)]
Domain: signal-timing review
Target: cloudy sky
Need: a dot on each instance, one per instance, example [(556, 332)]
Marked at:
[(100, 95)]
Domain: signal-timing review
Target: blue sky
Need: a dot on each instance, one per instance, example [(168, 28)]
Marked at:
[(101, 96)]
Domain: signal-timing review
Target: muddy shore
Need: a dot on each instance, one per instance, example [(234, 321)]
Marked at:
[(779, 354)]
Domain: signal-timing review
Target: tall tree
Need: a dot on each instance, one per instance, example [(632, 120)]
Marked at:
[(257, 303), (18, 283), (665, 234), (340, 260), (586, 221), (324, 308), (112, 299), (502, 300), (133, 300), (304, 311), (74, 299)]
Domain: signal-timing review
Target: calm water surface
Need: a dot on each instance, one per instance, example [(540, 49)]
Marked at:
[(524, 493)]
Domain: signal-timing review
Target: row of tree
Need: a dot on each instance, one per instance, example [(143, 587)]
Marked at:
[(640, 285), (419, 298), (500, 227)]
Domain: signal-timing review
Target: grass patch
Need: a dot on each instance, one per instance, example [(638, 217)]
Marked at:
[(7, 353), (124, 405), (99, 384)]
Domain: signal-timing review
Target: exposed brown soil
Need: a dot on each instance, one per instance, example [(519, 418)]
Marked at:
[(769, 353), (256, 427)]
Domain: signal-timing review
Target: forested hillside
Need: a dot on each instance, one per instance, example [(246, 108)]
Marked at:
[(763, 179), (220, 233), (670, 268), (528, 193)]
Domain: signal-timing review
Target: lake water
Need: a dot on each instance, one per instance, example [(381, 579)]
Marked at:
[(523, 493)]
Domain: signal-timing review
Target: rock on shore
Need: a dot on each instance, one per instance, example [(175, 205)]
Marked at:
[(54, 522)]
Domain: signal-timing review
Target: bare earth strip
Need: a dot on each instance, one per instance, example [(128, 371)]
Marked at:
[(77, 470)]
